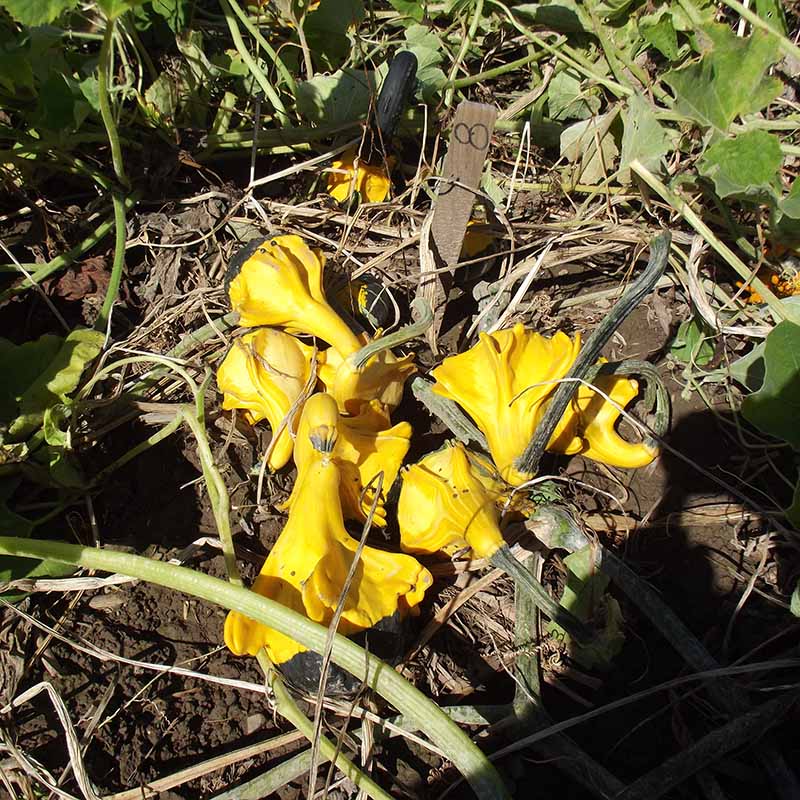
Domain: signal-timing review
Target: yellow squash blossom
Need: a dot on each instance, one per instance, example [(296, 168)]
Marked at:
[(382, 378), (307, 567), (370, 181), (280, 284), (588, 426), (367, 445), (502, 383), (265, 373), (448, 503)]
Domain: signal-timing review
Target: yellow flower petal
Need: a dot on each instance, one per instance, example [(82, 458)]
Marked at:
[(281, 285), (448, 503), (371, 182), (307, 567), (502, 383), (265, 373)]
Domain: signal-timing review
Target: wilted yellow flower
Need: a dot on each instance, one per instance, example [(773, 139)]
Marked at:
[(265, 373), (382, 378), (307, 567), (448, 503), (370, 181), (588, 426), (502, 383), (367, 445), (280, 284)]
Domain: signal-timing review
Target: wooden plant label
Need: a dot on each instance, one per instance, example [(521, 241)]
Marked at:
[(463, 166)]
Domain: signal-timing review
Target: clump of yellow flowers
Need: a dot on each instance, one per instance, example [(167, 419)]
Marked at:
[(330, 409)]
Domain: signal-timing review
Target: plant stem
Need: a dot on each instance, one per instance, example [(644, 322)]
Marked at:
[(420, 710), (287, 76), (105, 107), (466, 42), (255, 70), (119, 263), (780, 310), (495, 72), (421, 309)]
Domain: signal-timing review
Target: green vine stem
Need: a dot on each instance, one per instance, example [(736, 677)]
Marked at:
[(504, 559), (117, 198), (252, 65), (103, 69), (420, 309), (426, 715), (496, 72), (287, 76), (466, 43), (528, 462), (118, 265)]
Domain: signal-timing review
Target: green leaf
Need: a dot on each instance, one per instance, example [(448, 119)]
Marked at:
[(644, 137), (772, 11), (326, 29), (692, 343), (20, 365), (89, 89), (174, 13), (579, 145), (425, 45), (729, 80), (59, 379), (563, 17), (414, 9), (115, 8), (341, 97), (566, 99), (161, 99), (775, 407), (786, 217), (15, 69), (586, 597), (658, 30), (37, 12), (746, 166)]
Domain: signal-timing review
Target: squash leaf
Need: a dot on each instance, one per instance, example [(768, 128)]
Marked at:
[(730, 78), (775, 407), (338, 98), (745, 166), (54, 381), (37, 12)]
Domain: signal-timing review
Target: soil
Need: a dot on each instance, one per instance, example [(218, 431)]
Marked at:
[(136, 725)]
